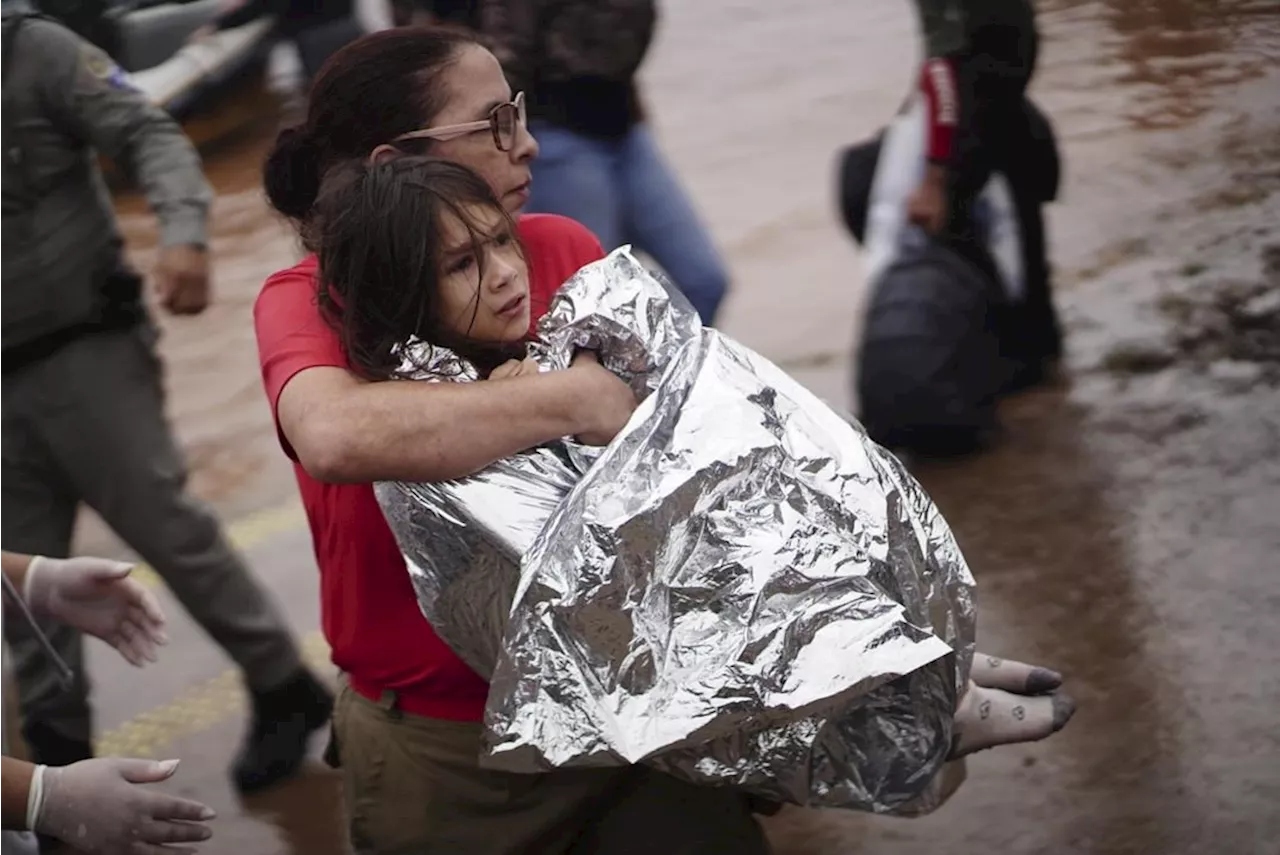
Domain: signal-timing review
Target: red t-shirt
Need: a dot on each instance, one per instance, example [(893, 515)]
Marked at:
[(368, 610)]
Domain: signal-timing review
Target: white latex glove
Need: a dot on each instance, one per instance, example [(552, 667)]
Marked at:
[(96, 596), (97, 807)]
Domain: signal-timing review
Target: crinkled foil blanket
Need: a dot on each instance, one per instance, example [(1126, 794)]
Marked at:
[(740, 589)]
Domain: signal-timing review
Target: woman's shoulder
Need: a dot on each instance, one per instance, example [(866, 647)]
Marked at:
[(304, 270), (287, 288), (300, 277), (543, 232), (556, 248)]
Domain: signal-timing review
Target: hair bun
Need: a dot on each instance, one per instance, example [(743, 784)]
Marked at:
[(291, 174)]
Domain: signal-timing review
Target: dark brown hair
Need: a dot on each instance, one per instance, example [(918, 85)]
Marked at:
[(368, 93), (378, 229)]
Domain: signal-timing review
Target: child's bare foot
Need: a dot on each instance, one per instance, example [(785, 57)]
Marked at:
[(1006, 703), (1013, 676)]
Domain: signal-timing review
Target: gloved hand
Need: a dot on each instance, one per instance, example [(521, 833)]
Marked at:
[(96, 596), (1008, 702), (97, 807)]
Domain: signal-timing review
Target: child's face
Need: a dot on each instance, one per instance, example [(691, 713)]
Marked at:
[(493, 309)]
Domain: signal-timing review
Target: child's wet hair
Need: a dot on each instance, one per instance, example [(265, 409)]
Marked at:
[(377, 233)]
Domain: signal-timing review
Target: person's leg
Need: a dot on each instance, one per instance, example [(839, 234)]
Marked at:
[(109, 435), (573, 176), (1035, 335), (1005, 134), (1027, 155), (414, 786), (661, 219), (37, 517)]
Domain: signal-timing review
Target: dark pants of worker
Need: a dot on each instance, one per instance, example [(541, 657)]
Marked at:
[(86, 424), (1003, 131)]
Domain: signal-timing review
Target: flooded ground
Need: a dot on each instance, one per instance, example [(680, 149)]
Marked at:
[(1123, 532)]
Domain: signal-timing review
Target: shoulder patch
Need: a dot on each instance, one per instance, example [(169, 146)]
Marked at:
[(103, 67), (96, 62), (120, 79)]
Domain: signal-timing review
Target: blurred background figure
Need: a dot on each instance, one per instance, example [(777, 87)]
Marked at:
[(599, 163), (980, 56), (948, 201)]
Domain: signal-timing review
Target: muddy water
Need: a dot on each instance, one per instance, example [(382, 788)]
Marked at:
[(1124, 531)]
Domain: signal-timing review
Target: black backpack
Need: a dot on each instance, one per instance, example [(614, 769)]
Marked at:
[(929, 366)]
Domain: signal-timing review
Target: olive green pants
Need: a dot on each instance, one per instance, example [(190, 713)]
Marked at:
[(413, 786), (87, 425)]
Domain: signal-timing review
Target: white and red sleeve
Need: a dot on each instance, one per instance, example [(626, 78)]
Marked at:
[(942, 105)]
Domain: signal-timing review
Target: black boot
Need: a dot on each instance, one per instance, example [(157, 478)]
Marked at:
[(51, 748), (283, 719)]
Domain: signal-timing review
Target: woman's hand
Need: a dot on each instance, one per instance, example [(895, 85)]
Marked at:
[(96, 595), (514, 368), (609, 407)]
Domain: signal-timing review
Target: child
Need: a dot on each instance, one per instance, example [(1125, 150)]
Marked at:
[(420, 248)]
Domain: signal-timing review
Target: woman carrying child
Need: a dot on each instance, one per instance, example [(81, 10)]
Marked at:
[(432, 247)]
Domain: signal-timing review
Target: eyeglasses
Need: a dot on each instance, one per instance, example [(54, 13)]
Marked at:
[(504, 123)]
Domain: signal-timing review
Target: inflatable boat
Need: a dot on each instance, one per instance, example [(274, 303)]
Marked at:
[(151, 40), (180, 75)]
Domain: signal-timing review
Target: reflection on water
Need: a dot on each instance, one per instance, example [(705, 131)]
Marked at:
[(1042, 526), (1177, 53), (306, 812)]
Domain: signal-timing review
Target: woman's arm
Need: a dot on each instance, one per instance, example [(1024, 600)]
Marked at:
[(345, 430)]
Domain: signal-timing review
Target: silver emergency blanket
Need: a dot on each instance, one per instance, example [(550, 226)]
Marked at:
[(740, 589)]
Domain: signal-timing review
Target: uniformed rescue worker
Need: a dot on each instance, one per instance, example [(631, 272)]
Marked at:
[(83, 406), (980, 56)]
